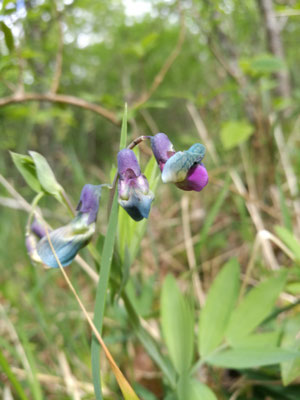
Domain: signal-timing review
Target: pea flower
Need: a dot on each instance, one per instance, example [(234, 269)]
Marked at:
[(69, 239), (133, 187), (184, 168)]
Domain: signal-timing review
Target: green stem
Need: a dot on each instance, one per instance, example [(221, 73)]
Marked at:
[(203, 360), (34, 204)]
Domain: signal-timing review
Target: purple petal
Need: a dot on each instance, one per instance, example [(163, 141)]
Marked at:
[(197, 179), (38, 229), (162, 148), (30, 242), (89, 201), (128, 165)]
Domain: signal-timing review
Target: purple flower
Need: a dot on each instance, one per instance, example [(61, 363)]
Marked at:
[(68, 239), (89, 201), (134, 194), (184, 168)]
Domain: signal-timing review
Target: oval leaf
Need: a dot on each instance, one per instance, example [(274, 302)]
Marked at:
[(290, 370), (8, 36), (177, 322), (191, 389), (254, 308), (251, 357), (234, 133), (219, 304), (27, 169), (46, 176)]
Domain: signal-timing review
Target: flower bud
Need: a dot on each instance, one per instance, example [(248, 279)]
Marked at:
[(133, 187), (184, 168), (69, 239)]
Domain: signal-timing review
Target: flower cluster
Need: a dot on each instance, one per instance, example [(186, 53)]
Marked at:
[(184, 168)]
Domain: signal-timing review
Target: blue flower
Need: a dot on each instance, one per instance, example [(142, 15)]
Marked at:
[(133, 187), (184, 168), (69, 239)]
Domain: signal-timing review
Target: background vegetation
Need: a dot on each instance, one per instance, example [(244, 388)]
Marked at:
[(223, 73)]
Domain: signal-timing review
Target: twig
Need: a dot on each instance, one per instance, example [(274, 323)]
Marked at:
[(165, 68), (17, 343), (60, 98), (53, 380), (190, 250), (289, 172), (261, 237), (70, 381), (59, 56)]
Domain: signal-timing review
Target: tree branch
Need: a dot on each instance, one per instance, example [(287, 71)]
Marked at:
[(60, 98)]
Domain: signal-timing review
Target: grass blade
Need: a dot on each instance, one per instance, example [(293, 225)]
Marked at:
[(106, 259), (11, 376)]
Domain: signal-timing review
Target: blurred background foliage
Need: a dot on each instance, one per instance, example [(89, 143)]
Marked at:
[(221, 72)]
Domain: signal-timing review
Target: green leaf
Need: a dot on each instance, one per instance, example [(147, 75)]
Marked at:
[(148, 342), (289, 239), (46, 176), (177, 322), (218, 307), (234, 133), (106, 259), (27, 169), (123, 139), (290, 370), (8, 36), (191, 389), (254, 308), (251, 357), (264, 339), (11, 376), (266, 64)]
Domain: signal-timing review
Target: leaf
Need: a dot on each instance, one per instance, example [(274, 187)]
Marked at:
[(11, 376), (220, 301), (289, 239), (46, 176), (27, 169), (177, 321), (266, 64), (290, 370), (250, 357), (191, 389), (254, 308), (8, 36), (148, 342), (264, 339), (234, 133), (106, 259)]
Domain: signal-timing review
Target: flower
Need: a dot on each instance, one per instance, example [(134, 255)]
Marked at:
[(133, 187), (184, 168), (69, 239)]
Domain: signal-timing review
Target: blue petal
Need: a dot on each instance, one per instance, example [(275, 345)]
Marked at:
[(138, 205), (66, 241), (177, 167)]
